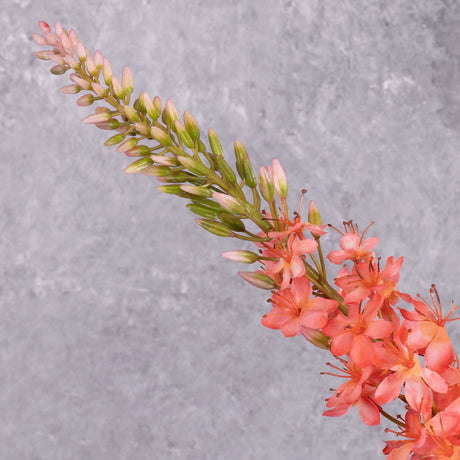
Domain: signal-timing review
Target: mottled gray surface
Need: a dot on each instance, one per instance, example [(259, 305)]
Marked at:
[(123, 334)]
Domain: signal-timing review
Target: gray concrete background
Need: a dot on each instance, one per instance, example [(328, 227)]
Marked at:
[(123, 334)]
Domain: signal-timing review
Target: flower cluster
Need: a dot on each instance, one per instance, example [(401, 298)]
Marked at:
[(386, 344)]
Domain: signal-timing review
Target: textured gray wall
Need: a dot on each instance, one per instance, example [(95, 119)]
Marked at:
[(123, 334)]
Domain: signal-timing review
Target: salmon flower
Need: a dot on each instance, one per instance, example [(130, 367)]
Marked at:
[(293, 308), (427, 330)]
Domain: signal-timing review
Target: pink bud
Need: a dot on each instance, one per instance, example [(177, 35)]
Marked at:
[(128, 144), (73, 38), (279, 179), (39, 39), (91, 67), (117, 88), (98, 117), (258, 279), (80, 82), (244, 257), (107, 71), (81, 52), (85, 100), (98, 60), (72, 61), (229, 203), (58, 29), (70, 89), (127, 80), (44, 27), (66, 42), (98, 89)]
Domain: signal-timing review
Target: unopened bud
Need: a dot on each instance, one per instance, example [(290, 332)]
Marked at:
[(98, 61), (73, 63), (196, 190), (232, 222), (85, 100), (138, 165), (183, 134), (107, 71), (171, 189), (164, 160), (279, 179), (109, 124), (127, 81), (42, 54), (317, 338), (229, 203), (193, 165), (157, 104), (128, 144), (224, 168), (243, 257), (114, 140), (70, 89), (191, 125), (117, 88), (160, 135), (86, 85), (214, 142), (258, 279), (130, 113), (156, 171), (314, 217), (81, 52), (91, 66), (39, 39), (59, 69), (98, 89), (264, 224), (169, 113), (202, 211), (214, 227), (143, 129), (266, 183), (98, 117), (243, 165), (138, 151), (148, 106)]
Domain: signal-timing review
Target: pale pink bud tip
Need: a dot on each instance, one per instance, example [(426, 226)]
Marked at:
[(229, 203), (244, 257), (44, 27), (97, 117), (39, 39), (258, 279), (279, 179), (127, 81)]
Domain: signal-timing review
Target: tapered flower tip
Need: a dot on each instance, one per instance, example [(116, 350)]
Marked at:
[(127, 80), (44, 27), (279, 178), (244, 257), (258, 279)]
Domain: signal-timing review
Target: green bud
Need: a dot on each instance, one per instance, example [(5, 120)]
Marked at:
[(156, 171), (264, 224), (225, 170), (202, 211), (183, 134), (191, 125), (193, 165), (243, 257), (157, 105), (216, 228), (196, 190), (160, 135), (229, 203), (208, 203), (243, 165), (215, 144), (258, 279), (130, 113), (232, 222), (169, 113), (138, 165), (114, 139), (172, 189)]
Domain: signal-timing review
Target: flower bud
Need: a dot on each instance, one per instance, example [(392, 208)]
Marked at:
[(114, 140), (107, 71), (171, 189), (91, 66), (98, 89), (215, 144), (43, 55), (138, 165), (191, 125), (243, 165), (130, 113), (205, 202), (86, 85), (85, 100), (214, 227), (258, 279), (232, 222), (70, 89), (128, 144), (143, 129), (196, 190), (98, 117), (127, 81), (98, 61), (183, 134), (229, 203), (202, 211), (243, 257), (160, 135), (193, 165), (81, 52), (108, 125), (59, 69), (266, 183), (264, 224), (169, 113), (138, 151), (73, 63), (164, 160), (117, 88), (314, 217), (317, 338), (39, 39), (279, 179), (225, 170), (147, 103), (157, 104), (156, 171)]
